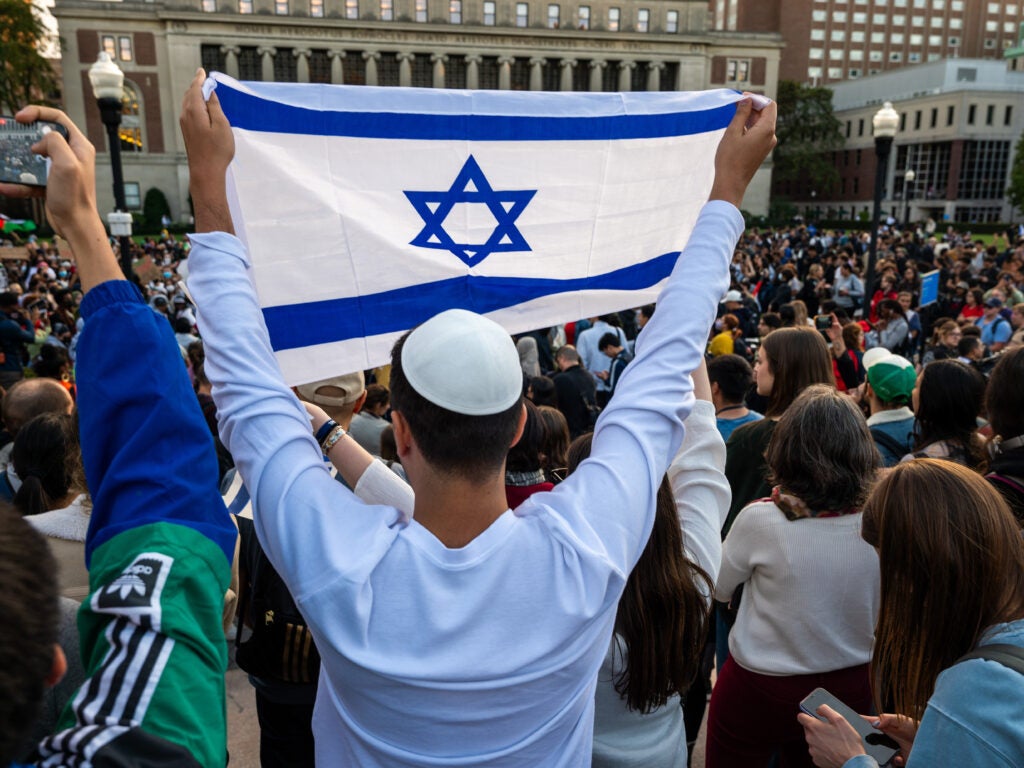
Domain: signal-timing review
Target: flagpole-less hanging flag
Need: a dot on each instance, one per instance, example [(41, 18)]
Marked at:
[(368, 210)]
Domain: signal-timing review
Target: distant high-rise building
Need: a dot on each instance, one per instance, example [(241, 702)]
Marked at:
[(832, 40)]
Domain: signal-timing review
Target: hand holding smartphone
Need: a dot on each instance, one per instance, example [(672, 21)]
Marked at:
[(879, 746), (18, 163)]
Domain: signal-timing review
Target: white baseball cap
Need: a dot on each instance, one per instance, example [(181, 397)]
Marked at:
[(733, 295), (352, 385), (875, 355), (463, 362)]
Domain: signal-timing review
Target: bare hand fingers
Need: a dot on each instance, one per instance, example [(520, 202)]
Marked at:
[(53, 146), (193, 104), (20, 190), (34, 112), (742, 116), (216, 112)]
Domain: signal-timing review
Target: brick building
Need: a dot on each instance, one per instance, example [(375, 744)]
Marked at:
[(833, 40), (601, 45)]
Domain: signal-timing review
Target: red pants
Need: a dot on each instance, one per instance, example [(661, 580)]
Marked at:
[(753, 716)]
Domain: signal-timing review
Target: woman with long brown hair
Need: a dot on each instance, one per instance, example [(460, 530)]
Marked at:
[(947, 401), (952, 583), (662, 619), (788, 361), (810, 588)]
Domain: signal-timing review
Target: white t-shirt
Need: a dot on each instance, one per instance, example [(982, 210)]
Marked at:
[(811, 596), (483, 655)]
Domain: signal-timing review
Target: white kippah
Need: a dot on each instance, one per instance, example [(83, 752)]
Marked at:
[(463, 362)]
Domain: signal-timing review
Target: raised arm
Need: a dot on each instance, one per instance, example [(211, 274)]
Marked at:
[(608, 503), (697, 476), (160, 540), (308, 524)]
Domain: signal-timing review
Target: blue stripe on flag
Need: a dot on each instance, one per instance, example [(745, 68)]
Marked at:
[(253, 113), (321, 322)]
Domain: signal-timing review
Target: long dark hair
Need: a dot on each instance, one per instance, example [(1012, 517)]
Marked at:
[(1004, 400), (798, 357), (45, 456), (952, 564), (822, 451), (949, 399), (663, 612)]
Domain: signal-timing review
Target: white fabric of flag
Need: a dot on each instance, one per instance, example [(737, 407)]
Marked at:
[(365, 210)]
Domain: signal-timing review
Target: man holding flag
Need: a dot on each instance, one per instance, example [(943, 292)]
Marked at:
[(470, 634)]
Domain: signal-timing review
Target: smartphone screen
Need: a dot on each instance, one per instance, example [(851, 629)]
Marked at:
[(876, 743), (18, 163)]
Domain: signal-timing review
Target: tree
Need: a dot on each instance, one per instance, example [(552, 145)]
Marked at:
[(154, 208), (1015, 192), (808, 133), (26, 76)]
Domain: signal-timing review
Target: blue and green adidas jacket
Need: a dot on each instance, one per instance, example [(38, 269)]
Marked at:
[(159, 551)]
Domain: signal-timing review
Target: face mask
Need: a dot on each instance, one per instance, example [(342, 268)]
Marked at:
[(167, 275), (62, 274), (718, 325)]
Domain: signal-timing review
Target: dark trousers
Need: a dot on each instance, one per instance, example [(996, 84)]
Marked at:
[(753, 716), (286, 734)]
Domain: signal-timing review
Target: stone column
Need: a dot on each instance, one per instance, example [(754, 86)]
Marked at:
[(337, 68), (505, 72), (267, 65), (302, 64), (473, 71), (405, 68), (625, 75), (371, 58), (597, 75), (537, 73), (654, 75), (231, 59), (438, 60), (565, 82)]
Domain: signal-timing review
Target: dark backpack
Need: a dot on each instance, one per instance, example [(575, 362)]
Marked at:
[(281, 646)]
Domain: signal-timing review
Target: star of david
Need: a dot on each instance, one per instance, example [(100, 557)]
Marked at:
[(471, 186)]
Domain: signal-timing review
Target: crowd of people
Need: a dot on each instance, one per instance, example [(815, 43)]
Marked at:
[(542, 552)]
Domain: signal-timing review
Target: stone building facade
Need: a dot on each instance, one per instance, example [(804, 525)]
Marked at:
[(490, 44)]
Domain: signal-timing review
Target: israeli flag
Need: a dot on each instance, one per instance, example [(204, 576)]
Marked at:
[(367, 210)]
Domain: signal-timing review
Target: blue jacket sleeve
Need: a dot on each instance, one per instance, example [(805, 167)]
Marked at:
[(147, 452)]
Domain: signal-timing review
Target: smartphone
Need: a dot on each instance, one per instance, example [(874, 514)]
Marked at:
[(822, 322), (881, 747), (18, 163)]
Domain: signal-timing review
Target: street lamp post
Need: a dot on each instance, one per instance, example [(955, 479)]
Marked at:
[(908, 179), (884, 124), (108, 87)]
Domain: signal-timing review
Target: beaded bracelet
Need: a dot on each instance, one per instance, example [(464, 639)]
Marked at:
[(325, 430), (332, 439)]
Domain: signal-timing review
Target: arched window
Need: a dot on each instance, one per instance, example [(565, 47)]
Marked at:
[(131, 119)]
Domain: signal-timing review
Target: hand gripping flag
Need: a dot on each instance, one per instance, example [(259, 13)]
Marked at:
[(367, 210)]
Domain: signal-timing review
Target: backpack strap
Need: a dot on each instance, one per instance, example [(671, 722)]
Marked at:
[(1015, 483), (888, 442), (1011, 656)]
